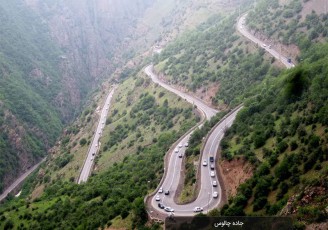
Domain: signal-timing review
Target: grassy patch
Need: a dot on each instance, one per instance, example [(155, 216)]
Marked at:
[(139, 134)]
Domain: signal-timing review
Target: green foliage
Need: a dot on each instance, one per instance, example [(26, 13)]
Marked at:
[(29, 84), (296, 83), (214, 54), (83, 141), (118, 191), (63, 160), (9, 224), (142, 114), (285, 129), (283, 22), (199, 134)]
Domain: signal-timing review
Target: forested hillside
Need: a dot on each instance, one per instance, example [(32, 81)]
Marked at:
[(140, 112), (211, 58), (293, 23), (130, 164), (48, 70), (54, 53), (30, 117), (283, 132)]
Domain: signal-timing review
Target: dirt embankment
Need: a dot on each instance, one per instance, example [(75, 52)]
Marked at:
[(234, 173)]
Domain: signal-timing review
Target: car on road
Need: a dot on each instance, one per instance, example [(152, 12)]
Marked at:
[(180, 145), (169, 209), (186, 145), (204, 163), (215, 194), (198, 209), (161, 206), (93, 154), (167, 192), (212, 174), (212, 167), (214, 183), (160, 190), (180, 155), (211, 159), (176, 150), (157, 198)]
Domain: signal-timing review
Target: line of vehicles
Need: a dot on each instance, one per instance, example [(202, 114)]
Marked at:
[(212, 174), (167, 192), (176, 150), (288, 59)]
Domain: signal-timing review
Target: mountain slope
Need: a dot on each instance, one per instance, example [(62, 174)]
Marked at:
[(283, 131), (115, 192), (29, 85)]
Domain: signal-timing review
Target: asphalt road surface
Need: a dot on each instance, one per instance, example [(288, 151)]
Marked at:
[(243, 30), (208, 111), (170, 183), (19, 180), (205, 197), (95, 145)]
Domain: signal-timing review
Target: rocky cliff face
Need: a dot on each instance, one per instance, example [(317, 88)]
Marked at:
[(90, 32), (52, 55), (91, 39)]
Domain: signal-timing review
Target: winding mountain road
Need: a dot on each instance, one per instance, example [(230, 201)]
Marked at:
[(206, 199), (208, 111), (172, 178), (242, 29)]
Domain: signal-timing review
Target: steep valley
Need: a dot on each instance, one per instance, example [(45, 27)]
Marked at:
[(58, 60), (54, 54)]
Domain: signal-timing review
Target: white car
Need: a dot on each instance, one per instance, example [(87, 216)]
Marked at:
[(214, 183), (157, 198), (180, 145), (215, 194), (176, 150), (198, 209), (169, 209), (186, 145), (204, 163), (160, 190), (180, 155), (212, 174)]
